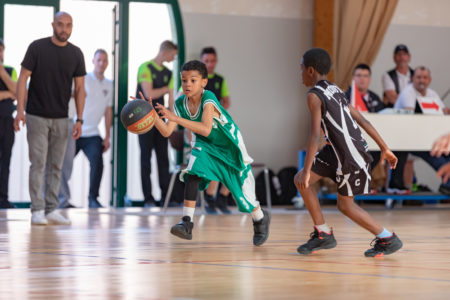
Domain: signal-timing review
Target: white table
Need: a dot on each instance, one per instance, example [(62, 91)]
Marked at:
[(407, 131)]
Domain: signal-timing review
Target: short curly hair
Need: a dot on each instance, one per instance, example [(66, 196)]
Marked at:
[(319, 59), (195, 65)]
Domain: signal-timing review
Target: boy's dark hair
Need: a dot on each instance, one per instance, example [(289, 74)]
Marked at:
[(362, 67), (2, 43), (195, 65), (318, 59), (208, 50)]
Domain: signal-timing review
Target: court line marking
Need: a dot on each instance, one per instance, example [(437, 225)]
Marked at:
[(149, 261), (325, 272)]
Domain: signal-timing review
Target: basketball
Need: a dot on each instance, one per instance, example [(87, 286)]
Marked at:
[(138, 116)]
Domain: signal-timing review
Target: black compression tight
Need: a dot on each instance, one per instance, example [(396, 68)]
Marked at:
[(191, 187)]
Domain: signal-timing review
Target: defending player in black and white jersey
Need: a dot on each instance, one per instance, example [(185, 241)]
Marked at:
[(345, 159)]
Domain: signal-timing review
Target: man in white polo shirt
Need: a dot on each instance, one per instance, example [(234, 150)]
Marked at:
[(99, 100), (419, 98)]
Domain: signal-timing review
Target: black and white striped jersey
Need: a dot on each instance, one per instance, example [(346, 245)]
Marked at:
[(340, 129)]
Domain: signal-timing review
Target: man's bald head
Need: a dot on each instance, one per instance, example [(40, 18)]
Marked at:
[(61, 14), (62, 27)]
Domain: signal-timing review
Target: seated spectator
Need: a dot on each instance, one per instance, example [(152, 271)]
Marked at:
[(414, 94), (395, 80), (362, 77), (421, 99)]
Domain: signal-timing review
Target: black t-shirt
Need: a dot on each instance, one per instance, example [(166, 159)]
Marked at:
[(52, 71), (7, 105)]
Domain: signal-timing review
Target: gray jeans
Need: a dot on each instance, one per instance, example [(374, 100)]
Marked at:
[(47, 141), (64, 190)]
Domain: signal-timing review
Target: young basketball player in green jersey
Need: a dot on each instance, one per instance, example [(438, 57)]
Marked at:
[(218, 151)]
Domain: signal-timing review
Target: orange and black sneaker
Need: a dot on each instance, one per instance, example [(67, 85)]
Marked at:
[(384, 246), (318, 240)]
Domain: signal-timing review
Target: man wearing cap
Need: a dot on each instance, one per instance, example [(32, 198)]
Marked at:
[(395, 80)]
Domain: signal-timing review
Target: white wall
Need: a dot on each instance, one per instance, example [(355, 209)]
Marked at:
[(259, 46)]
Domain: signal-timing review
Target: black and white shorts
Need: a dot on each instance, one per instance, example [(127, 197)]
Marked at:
[(355, 183)]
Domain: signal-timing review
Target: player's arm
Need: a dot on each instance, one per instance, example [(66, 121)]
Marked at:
[(203, 128), (166, 129), (386, 153), (315, 108), (21, 97)]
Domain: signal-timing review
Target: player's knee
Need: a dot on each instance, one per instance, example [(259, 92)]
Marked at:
[(191, 187)]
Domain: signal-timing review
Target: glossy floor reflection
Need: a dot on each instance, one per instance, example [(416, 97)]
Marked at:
[(130, 254)]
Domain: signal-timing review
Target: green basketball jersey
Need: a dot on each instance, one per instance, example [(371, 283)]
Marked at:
[(225, 140)]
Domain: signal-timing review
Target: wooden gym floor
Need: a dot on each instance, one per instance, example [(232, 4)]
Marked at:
[(130, 254)]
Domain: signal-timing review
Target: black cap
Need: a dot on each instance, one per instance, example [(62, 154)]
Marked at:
[(401, 47)]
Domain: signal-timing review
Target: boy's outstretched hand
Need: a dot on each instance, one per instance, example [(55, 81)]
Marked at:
[(390, 157), (165, 113), (143, 98), (301, 179)]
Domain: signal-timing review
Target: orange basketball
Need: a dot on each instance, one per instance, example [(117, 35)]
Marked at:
[(138, 116)]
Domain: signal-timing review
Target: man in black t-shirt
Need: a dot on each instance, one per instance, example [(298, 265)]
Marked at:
[(8, 78), (52, 63)]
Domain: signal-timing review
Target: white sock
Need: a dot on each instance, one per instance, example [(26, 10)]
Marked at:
[(257, 214), (189, 211), (324, 228), (384, 234)]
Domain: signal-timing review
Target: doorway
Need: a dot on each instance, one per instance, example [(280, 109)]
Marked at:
[(121, 25)]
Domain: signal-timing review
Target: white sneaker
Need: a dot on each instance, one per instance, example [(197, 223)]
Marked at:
[(55, 218), (38, 218)]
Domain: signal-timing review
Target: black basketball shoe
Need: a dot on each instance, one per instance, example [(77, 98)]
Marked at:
[(222, 204), (183, 229), (318, 240), (210, 204), (384, 246), (261, 229)]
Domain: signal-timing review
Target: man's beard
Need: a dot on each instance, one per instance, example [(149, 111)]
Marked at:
[(60, 37)]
